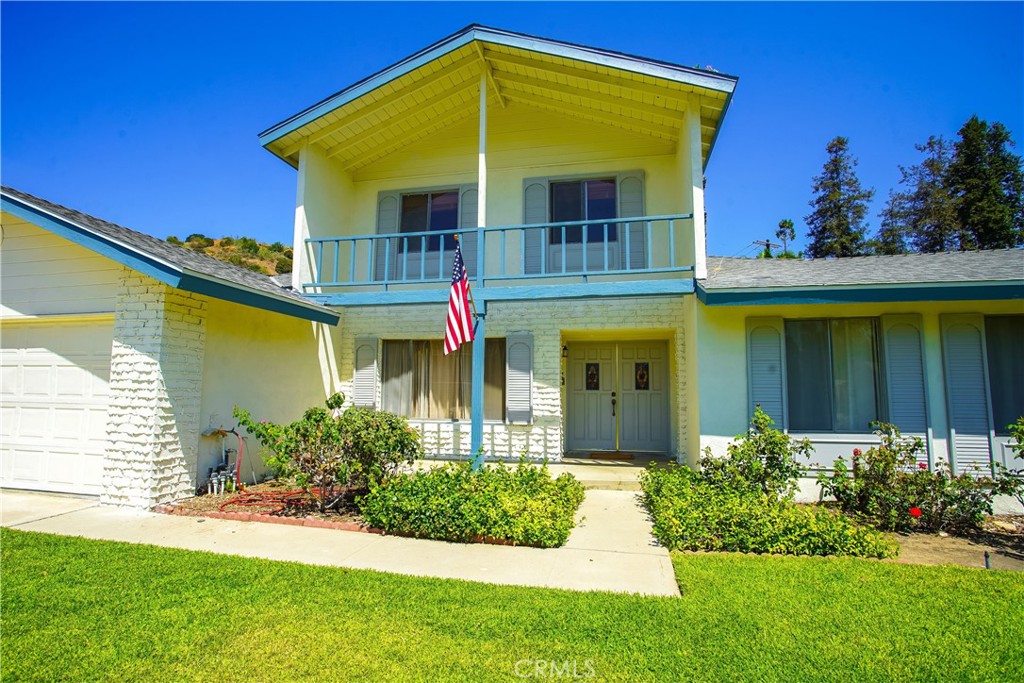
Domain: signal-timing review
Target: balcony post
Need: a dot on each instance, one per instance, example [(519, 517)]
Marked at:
[(700, 268), (481, 178)]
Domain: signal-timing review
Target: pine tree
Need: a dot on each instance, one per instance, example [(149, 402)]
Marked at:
[(836, 225), (987, 182), (923, 216)]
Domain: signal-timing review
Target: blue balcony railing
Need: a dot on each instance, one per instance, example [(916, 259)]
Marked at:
[(621, 248)]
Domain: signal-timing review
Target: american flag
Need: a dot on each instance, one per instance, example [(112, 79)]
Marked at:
[(459, 329)]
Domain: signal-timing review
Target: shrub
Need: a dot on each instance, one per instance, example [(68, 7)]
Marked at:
[(236, 259), (173, 240), (330, 452), (691, 512), (283, 265), (763, 460), (227, 241), (888, 487), (522, 505), (277, 246), (377, 443), (256, 268), (249, 245)]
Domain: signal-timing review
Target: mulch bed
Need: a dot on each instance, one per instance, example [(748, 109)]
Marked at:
[(273, 502)]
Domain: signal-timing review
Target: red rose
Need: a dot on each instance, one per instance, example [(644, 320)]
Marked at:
[(856, 451), (922, 465), (915, 512)]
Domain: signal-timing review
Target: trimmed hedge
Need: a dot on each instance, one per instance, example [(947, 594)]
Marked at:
[(692, 514), (521, 505)]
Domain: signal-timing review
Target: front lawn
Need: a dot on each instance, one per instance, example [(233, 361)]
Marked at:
[(74, 609)]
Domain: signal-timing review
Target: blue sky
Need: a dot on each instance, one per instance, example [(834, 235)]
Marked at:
[(146, 114)]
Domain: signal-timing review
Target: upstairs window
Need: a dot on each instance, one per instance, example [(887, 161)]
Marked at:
[(835, 375), (429, 212), (583, 200)]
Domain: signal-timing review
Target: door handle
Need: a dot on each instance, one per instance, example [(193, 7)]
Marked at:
[(613, 404)]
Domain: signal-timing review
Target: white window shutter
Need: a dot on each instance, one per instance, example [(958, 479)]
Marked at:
[(364, 382), (766, 370), (519, 378), (468, 203), (389, 210), (535, 210), (963, 352), (630, 191)]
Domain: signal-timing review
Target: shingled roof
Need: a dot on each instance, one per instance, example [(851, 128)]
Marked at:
[(172, 264), (1002, 270)]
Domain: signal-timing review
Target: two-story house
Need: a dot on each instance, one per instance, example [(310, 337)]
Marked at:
[(573, 178)]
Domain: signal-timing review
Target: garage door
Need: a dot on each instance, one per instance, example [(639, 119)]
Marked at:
[(53, 405)]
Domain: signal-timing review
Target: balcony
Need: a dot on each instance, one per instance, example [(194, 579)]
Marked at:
[(642, 256)]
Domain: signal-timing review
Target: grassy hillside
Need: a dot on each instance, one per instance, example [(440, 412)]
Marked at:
[(269, 259)]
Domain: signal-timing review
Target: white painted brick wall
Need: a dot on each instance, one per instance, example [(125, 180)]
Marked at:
[(546, 320), (155, 389)]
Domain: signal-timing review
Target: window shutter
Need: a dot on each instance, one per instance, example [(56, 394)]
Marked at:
[(631, 203), (766, 369), (519, 378), (468, 219), (364, 382), (389, 205), (535, 210), (963, 351), (904, 373)]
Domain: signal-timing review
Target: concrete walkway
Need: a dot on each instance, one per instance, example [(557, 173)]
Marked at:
[(610, 550)]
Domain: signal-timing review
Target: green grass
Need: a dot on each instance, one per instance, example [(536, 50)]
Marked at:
[(74, 609)]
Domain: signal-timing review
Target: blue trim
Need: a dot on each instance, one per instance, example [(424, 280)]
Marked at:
[(171, 275), (476, 440), (952, 291), (219, 290), (631, 289), (123, 254), (718, 128), (616, 60)]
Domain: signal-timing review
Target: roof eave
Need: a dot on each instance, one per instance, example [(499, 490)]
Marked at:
[(983, 290), (160, 269), (689, 76)]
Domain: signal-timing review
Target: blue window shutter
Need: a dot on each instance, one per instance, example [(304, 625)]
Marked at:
[(519, 378), (766, 370), (389, 206), (468, 219), (630, 190), (904, 373), (963, 353), (364, 381), (535, 210)]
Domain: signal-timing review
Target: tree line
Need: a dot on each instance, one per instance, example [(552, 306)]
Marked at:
[(964, 195)]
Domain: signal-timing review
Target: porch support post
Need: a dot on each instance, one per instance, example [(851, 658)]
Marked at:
[(477, 412), (481, 179), (700, 257), (479, 343)]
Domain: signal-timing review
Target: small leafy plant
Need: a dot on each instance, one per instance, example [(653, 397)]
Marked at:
[(522, 505), (764, 460)]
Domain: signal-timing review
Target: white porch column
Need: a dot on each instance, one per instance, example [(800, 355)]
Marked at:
[(481, 180), (300, 265), (691, 134)]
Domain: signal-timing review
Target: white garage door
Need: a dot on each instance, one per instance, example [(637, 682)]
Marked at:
[(53, 406)]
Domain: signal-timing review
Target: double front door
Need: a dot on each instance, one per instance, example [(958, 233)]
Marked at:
[(617, 394)]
